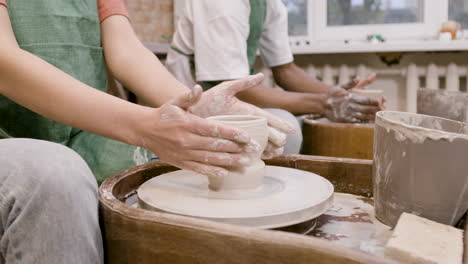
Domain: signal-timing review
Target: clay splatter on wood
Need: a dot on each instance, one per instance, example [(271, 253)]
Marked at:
[(351, 223)]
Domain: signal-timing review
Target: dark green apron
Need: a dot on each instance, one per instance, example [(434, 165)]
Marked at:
[(258, 11), (66, 34)]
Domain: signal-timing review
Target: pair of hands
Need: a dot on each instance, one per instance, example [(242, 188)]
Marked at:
[(344, 106), (178, 133)]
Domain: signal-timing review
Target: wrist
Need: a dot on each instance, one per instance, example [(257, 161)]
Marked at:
[(139, 123)]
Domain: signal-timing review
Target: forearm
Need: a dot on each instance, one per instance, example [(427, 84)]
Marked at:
[(42, 88), (136, 66), (293, 78), (294, 102)]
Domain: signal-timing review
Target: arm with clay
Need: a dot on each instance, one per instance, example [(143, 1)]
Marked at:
[(338, 103), (135, 66), (178, 137)]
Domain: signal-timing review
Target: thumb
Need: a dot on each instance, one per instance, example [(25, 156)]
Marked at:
[(188, 99), (244, 83)]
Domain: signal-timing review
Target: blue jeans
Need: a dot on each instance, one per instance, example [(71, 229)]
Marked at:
[(48, 205)]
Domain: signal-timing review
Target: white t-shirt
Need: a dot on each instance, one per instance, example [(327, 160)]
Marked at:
[(216, 32)]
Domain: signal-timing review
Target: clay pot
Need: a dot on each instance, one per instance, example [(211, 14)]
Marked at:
[(420, 167), (251, 176)]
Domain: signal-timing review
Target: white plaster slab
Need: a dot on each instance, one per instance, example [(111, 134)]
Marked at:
[(288, 196)]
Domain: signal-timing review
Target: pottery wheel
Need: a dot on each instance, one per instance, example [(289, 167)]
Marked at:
[(288, 196)]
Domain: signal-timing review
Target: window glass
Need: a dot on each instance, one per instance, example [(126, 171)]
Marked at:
[(458, 11), (359, 12), (297, 16)]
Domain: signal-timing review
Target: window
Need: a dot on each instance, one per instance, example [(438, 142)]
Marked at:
[(297, 10), (458, 11), (361, 12), (354, 20)]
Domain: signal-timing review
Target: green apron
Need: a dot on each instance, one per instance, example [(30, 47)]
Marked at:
[(66, 34), (258, 11)]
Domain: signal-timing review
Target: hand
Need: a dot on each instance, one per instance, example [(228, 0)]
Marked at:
[(344, 106), (193, 143), (221, 100), (357, 83)]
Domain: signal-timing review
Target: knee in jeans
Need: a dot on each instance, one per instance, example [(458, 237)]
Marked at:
[(46, 165)]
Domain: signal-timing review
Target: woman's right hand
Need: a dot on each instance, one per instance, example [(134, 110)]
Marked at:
[(190, 142)]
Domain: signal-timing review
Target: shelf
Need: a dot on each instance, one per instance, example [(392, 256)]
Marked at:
[(305, 47), (300, 46)]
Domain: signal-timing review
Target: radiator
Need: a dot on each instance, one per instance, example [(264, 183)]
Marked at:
[(450, 77)]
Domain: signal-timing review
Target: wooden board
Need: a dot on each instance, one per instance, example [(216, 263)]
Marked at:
[(352, 176), (133, 235), (325, 138)]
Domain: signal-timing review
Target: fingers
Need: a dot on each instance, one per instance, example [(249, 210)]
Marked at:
[(370, 79), (221, 159), (215, 129), (274, 121), (272, 152), (188, 99), (366, 109), (359, 117), (352, 84), (363, 100), (198, 142), (357, 83), (276, 137), (244, 83)]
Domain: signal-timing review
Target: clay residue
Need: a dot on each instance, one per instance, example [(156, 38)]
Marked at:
[(367, 200), (351, 223), (413, 127)]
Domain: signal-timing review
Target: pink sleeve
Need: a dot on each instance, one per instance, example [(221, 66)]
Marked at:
[(109, 8), (3, 2)]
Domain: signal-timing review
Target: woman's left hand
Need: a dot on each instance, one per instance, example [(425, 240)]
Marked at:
[(221, 100)]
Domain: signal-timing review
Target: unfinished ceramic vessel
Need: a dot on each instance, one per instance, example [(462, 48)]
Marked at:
[(251, 176), (420, 167), (256, 196)]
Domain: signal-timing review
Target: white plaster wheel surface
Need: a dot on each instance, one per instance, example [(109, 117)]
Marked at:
[(288, 196)]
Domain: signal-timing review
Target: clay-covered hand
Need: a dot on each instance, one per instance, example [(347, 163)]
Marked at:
[(221, 100), (193, 143), (357, 83), (343, 106)]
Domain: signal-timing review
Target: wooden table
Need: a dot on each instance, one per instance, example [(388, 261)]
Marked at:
[(134, 235)]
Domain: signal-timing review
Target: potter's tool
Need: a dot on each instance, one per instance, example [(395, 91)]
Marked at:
[(287, 196)]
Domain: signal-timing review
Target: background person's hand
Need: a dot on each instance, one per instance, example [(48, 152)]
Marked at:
[(193, 143), (344, 106), (221, 100), (357, 83)]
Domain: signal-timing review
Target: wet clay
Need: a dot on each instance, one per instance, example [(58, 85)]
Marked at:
[(250, 176)]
